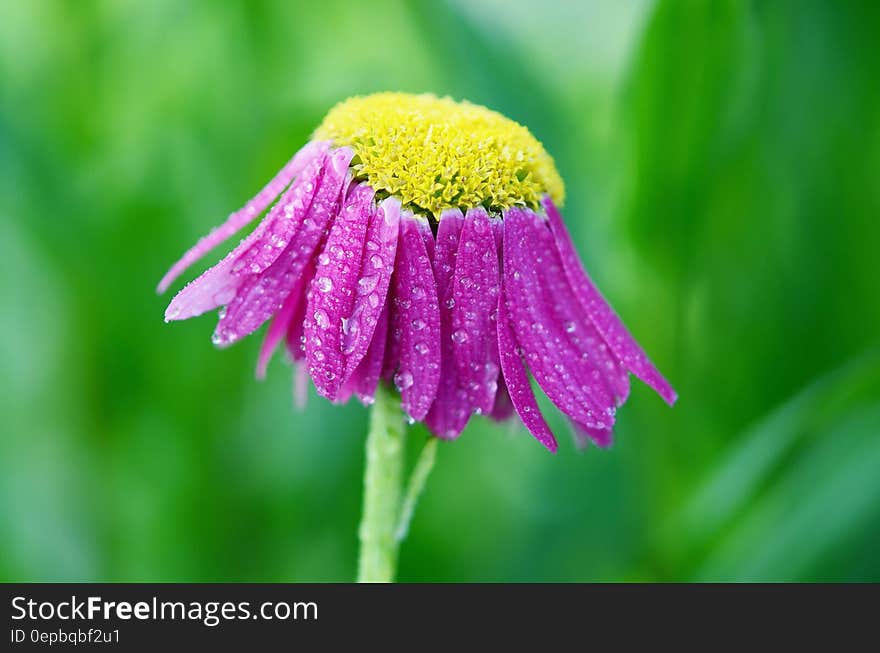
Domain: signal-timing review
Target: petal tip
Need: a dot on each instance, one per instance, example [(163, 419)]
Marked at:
[(260, 371), (552, 446), (172, 313)]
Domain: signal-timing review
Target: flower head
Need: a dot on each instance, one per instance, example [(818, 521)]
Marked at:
[(418, 240)]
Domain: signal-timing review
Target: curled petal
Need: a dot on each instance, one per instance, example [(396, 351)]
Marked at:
[(606, 321), (300, 386), (503, 408), (294, 338), (608, 377), (415, 321), (251, 210), (377, 264), (220, 284), (260, 295), (451, 409), (603, 438), (365, 378), (294, 305), (331, 292), (570, 379), (517, 383), (475, 288)]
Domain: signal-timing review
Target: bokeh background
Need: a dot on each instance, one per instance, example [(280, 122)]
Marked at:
[(723, 169)]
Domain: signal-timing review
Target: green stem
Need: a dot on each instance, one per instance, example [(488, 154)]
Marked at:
[(382, 483), (414, 488)]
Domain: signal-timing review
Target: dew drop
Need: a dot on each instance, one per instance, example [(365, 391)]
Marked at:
[(403, 380), (460, 336), (321, 318), (367, 284), (418, 325), (324, 284)]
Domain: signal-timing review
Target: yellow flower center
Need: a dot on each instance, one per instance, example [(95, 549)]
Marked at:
[(434, 153)]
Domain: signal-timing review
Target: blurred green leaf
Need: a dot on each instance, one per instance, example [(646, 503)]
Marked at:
[(768, 450), (822, 498)]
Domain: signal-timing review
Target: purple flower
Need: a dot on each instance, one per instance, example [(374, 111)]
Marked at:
[(417, 241)]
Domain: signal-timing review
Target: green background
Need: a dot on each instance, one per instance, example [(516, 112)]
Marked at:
[(723, 165)]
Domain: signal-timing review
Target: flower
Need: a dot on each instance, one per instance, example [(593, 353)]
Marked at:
[(418, 240)]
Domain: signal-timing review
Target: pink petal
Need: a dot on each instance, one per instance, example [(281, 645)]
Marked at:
[(251, 210), (365, 378), (475, 287), (218, 285), (332, 289), (376, 266), (300, 385), (517, 383), (281, 323), (609, 377), (543, 326), (602, 438), (451, 409), (503, 408), (602, 315), (261, 295), (415, 320), (294, 338)]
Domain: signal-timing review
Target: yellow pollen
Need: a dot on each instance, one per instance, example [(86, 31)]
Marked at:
[(434, 153)]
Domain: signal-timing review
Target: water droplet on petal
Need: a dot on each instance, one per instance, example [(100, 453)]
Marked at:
[(460, 336), (324, 284), (321, 318), (403, 380), (367, 284)]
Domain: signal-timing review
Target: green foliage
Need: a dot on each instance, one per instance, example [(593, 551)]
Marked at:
[(722, 163)]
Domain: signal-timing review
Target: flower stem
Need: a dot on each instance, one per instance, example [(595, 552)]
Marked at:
[(414, 488), (382, 484)]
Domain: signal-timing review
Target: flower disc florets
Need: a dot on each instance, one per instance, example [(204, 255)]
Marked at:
[(435, 154)]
